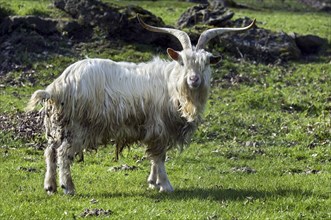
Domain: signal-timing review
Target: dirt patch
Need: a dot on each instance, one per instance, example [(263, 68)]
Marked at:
[(27, 39), (25, 126), (123, 167), (248, 170), (257, 44), (95, 212)]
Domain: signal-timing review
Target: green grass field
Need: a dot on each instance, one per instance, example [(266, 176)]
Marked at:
[(263, 151)]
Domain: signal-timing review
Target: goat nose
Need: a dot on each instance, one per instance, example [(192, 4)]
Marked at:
[(194, 78)]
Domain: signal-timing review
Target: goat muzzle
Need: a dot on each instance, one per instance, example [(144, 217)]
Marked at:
[(194, 81)]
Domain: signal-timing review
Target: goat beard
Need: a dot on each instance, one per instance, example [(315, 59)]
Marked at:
[(192, 102)]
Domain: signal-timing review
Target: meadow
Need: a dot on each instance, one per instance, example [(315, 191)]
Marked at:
[(263, 151)]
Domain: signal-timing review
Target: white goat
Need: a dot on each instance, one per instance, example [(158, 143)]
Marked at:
[(158, 104)]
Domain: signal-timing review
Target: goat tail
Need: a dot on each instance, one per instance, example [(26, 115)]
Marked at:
[(36, 98)]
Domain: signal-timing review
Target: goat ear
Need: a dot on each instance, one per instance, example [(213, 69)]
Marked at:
[(215, 59), (173, 54)]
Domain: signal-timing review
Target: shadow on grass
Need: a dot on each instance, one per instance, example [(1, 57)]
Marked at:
[(226, 194), (216, 194)]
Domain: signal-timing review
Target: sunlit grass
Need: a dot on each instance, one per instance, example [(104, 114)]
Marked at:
[(28, 7), (263, 151), (289, 22)]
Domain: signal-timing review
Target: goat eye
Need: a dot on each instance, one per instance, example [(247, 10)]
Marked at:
[(181, 62)]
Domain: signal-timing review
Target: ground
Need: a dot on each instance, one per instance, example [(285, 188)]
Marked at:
[(263, 151)]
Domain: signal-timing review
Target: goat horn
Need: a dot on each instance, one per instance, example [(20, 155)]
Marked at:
[(183, 38), (207, 35)]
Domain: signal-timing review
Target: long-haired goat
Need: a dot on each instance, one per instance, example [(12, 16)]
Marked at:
[(158, 104)]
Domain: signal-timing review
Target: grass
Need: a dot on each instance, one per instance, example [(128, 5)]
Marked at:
[(289, 21), (28, 7), (288, 5), (263, 151)]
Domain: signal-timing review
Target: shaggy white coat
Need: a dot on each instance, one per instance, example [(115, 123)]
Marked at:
[(95, 101)]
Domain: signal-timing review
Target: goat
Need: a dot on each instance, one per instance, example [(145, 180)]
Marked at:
[(158, 104)]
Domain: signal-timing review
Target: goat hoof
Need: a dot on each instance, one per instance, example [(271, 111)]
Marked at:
[(50, 190), (67, 191), (153, 186), (166, 188)]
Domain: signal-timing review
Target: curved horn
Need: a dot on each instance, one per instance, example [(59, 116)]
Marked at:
[(183, 38), (211, 33)]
